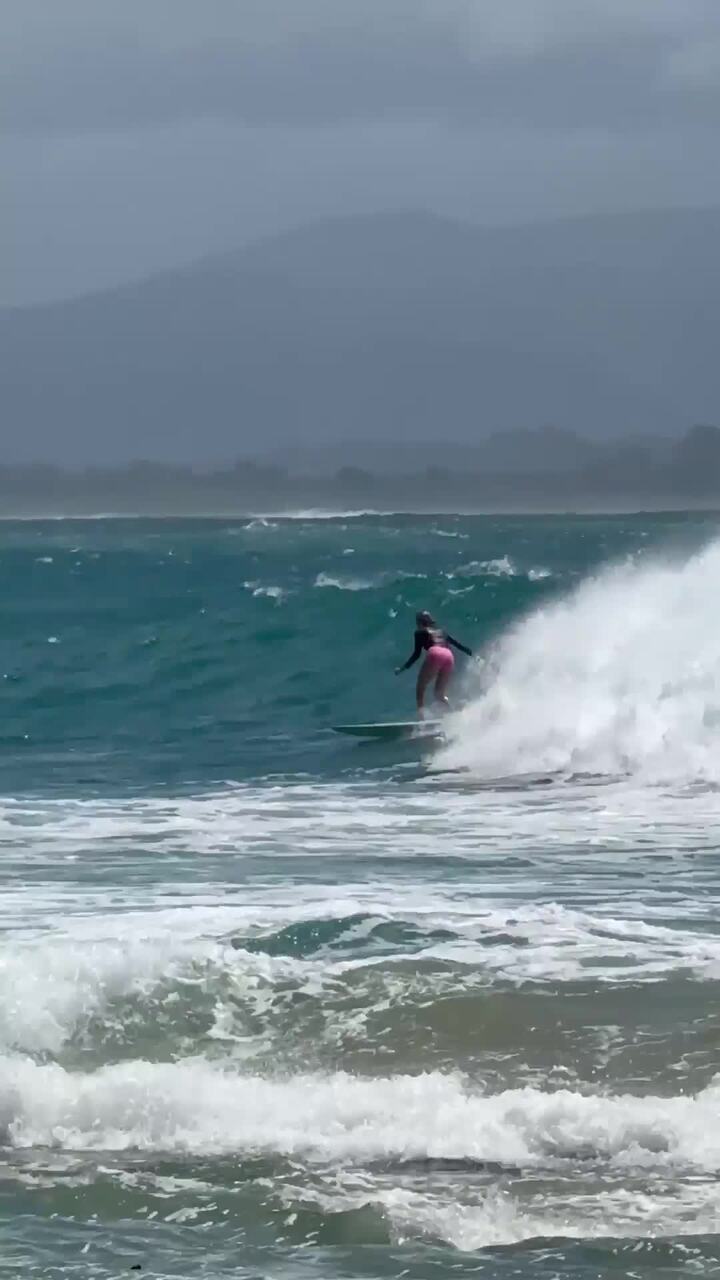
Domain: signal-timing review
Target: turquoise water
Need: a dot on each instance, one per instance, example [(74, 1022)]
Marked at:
[(278, 1003)]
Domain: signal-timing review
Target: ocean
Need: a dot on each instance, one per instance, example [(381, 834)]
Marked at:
[(277, 1003)]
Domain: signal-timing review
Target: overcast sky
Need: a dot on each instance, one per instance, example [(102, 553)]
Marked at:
[(140, 133)]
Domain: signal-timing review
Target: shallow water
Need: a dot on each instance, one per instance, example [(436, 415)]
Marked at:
[(278, 1003)]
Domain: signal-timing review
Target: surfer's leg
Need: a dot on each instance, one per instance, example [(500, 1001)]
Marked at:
[(445, 669), (427, 671), (441, 687)]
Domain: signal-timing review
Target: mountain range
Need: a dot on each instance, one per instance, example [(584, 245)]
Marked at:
[(402, 328)]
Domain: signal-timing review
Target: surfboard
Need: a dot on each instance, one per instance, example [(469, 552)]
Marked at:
[(392, 729)]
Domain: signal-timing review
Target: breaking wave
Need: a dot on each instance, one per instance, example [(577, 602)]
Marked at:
[(623, 676)]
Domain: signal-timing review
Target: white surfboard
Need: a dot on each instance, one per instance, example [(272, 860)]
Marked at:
[(392, 729)]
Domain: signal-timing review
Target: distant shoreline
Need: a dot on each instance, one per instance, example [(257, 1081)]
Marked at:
[(595, 508), (680, 475)]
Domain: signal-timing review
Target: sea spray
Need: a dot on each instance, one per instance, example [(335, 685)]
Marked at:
[(622, 676)]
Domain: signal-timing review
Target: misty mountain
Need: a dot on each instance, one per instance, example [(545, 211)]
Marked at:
[(403, 328)]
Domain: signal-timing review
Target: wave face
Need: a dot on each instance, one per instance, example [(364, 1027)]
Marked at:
[(276, 1002), (171, 650)]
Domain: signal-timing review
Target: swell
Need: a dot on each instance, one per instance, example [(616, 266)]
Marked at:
[(189, 637), (373, 995), (208, 643)]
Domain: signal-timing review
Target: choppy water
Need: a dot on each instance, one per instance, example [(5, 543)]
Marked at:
[(274, 1003)]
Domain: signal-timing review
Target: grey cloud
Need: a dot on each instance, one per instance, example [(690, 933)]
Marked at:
[(140, 133), (103, 66)]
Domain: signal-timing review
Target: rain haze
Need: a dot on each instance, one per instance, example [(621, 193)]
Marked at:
[(371, 196)]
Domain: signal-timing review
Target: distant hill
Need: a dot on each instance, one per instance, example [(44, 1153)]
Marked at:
[(403, 328)]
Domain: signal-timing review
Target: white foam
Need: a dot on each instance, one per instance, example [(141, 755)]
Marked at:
[(320, 513), (271, 592), (489, 1218), (51, 987), (563, 830), (471, 1218), (345, 584), (193, 1106), (501, 567), (624, 676)]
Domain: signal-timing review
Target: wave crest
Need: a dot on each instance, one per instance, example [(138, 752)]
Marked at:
[(621, 677)]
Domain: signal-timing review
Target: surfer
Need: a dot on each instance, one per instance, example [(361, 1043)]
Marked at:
[(439, 661)]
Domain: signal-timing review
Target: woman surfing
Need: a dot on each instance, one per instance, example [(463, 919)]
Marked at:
[(439, 661)]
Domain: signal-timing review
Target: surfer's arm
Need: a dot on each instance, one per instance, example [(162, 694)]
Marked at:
[(414, 655), (457, 645)]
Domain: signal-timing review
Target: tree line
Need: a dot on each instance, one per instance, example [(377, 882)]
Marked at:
[(687, 470)]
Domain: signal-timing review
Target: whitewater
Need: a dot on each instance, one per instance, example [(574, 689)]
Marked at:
[(277, 1003)]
